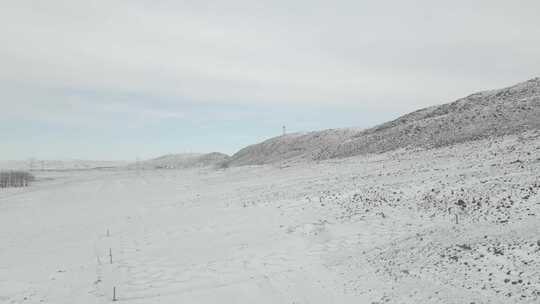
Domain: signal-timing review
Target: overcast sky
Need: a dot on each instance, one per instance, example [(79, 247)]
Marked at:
[(120, 79)]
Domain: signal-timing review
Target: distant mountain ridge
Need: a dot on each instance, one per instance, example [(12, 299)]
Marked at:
[(491, 113), (67, 164)]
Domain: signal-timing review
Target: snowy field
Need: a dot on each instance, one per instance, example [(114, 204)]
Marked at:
[(454, 225)]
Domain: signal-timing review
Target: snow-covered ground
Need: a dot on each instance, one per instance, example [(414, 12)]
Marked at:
[(368, 229)]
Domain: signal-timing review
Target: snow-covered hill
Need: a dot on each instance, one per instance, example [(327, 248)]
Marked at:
[(298, 146), (491, 113), (182, 161)]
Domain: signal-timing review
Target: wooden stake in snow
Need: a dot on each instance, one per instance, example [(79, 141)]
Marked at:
[(456, 216), (114, 294), (110, 255)]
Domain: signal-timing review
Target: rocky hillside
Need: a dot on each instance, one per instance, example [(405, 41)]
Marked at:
[(492, 113), (183, 161), (486, 114)]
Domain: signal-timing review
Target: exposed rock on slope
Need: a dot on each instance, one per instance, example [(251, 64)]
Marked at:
[(183, 161), (491, 113)]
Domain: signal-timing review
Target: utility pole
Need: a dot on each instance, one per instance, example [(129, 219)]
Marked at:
[(31, 164)]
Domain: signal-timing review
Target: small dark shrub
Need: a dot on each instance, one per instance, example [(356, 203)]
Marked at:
[(15, 179)]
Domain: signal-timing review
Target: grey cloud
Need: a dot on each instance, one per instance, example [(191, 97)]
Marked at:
[(345, 52)]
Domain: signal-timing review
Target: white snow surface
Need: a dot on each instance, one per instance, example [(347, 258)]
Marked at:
[(367, 229)]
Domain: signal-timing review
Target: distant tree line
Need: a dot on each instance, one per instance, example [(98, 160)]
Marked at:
[(15, 179)]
